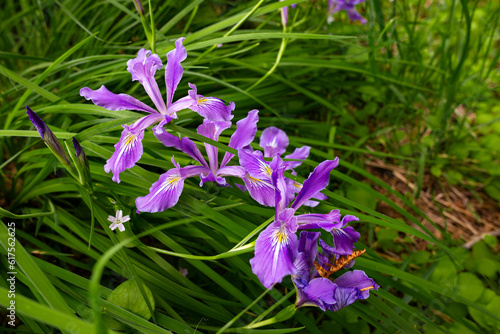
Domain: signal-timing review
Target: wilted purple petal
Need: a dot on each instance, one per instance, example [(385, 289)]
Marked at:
[(104, 98), (274, 141), (246, 129), (320, 292), (174, 70), (143, 69), (300, 153), (211, 108), (316, 182), (275, 250)]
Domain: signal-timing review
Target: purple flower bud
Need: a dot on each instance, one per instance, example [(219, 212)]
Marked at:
[(48, 137)]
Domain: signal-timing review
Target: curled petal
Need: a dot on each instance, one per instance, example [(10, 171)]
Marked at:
[(143, 69), (246, 129), (299, 154), (111, 101), (316, 182), (320, 292), (275, 251), (174, 70), (344, 239), (274, 141), (211, 177), (352, 286), (211, 108)]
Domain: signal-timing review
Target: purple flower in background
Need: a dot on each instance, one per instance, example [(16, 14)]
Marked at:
[(166, 191), (335, 6), (129, 148), (276, 246)]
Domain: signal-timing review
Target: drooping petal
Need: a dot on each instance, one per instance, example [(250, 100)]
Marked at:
[(261, 190), (183, 144), (211, 177), (211, 108), (300, 154), (143, 69), (275, 250), (344, 239), (255, 165), (316, 182), (174, 70), (129, 149), (111, 101), (246, 129), (327, 221), (320, 292), (163, 194), (274, 141)]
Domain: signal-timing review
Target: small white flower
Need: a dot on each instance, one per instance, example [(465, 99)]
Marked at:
[(118, 221)]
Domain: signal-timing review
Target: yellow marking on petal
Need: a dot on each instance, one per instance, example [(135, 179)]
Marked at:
[(268, 171), (202, 100), (368, 288), (129, 138), (173, 180), (297, 185), (253, 179)]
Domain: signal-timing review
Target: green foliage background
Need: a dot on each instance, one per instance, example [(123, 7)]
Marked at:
[(344, 89)]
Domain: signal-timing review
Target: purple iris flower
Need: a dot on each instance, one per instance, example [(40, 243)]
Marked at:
[(317, 289), (335, 6), (276, 246), (129, 148), (165, 193), (258, 177)]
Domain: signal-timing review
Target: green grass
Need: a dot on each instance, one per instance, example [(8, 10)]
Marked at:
[(390, 89)]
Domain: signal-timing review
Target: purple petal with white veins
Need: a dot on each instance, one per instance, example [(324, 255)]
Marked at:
[(280, 186), (316, 182), (143, 69), (317, 220), (168, 139), (163, 194), (300, 153), (183, 103), (211, 177), (347, 219), (174, 70), (129, 149), (111, 101), (261, 190), (320, 292), (344, 239), (255, 165), (211, 108), (274, 141), (275, 251), (246, 129)]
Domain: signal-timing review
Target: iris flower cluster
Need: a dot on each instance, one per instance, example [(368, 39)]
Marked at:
[(279, 252)]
